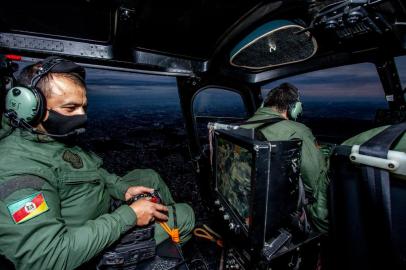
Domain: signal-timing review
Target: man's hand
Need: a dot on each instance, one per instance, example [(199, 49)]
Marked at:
[(147, 211), (132, 191)]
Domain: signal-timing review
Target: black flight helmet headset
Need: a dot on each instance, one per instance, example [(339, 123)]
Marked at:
[(26, 105)]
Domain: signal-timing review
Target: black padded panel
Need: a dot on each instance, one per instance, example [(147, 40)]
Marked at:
[(355, 226)]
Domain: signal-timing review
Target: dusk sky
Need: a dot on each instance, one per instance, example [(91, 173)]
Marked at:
[(348, 81), (355, 83)]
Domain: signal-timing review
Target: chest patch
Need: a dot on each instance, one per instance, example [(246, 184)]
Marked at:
[(72, 158), (28, 208)]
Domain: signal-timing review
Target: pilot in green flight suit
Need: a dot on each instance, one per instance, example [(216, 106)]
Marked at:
[(283, 102), (55, 197)]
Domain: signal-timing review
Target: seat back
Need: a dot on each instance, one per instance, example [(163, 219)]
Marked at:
[(360, 238)]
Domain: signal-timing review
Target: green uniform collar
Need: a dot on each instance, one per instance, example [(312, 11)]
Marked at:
[(7, 129), (261, 114), (268, 112)]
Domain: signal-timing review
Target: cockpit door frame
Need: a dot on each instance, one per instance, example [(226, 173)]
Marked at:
[(390, 80), (188, 87)]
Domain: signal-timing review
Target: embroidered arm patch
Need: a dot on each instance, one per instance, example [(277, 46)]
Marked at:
[(20, 182), (28, 208)]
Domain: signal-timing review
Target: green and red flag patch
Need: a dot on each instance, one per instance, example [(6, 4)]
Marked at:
[(28, 207)]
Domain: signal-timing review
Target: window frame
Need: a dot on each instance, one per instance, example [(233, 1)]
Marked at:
[(217, 87)]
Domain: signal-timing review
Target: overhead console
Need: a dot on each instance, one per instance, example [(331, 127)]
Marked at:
[(350, 19), (349, 25)]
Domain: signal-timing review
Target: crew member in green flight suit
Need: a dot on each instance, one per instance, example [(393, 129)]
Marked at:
[(284, 102), (55, 196)]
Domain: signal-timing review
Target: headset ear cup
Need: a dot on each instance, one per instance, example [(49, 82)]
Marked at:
[(295, 110), (27, 103)]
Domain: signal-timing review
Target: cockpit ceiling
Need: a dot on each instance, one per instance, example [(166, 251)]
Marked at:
[(222, 37), (88, 20), (183, 27)]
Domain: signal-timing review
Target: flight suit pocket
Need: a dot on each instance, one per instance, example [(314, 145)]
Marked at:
[(80, 183), (83, 177), (84, 185), (83, 190)]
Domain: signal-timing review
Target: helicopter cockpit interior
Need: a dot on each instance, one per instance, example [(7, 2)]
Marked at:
[(348, 59)]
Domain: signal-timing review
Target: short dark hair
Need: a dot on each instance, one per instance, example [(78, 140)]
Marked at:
[(28, 72), (282, 96)]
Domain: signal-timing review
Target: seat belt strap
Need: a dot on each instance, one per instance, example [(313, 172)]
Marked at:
[(378, 180), (264, 122), (379, 145)]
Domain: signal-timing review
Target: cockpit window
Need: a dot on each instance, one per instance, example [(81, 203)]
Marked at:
[(135, 121), (217, 104), (338, 102)]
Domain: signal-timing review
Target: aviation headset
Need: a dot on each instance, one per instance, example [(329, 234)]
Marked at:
[(26, 105), (295, 108)]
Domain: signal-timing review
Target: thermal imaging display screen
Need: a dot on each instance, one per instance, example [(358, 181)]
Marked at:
[(234, 176)]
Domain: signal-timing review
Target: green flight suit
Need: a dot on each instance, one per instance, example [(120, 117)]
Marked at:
[(313, 165), (359, 139), (78, 191)]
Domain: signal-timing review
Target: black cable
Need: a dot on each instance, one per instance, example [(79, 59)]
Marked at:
[(376, 2)]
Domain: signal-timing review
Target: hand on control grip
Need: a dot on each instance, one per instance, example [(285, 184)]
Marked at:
[(136, 190), (148, 211)]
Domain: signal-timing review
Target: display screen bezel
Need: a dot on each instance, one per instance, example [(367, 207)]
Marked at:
[(260, 151)]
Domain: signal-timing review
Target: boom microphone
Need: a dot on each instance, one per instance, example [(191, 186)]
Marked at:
[(17, 122), (74, 132)]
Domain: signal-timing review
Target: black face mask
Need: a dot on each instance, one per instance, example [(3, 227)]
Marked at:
[(63, 125)]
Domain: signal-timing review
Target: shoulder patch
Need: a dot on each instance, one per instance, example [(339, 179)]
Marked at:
[(72, 158), (20, 182), (28, 208)]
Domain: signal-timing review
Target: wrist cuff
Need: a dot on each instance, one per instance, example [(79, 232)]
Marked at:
[(127, 217)]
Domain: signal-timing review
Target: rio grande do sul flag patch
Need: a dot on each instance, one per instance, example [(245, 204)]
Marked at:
[(28, 207)]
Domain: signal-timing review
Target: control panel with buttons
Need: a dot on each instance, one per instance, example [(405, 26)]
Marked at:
[(228, 218), (233, 260)]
